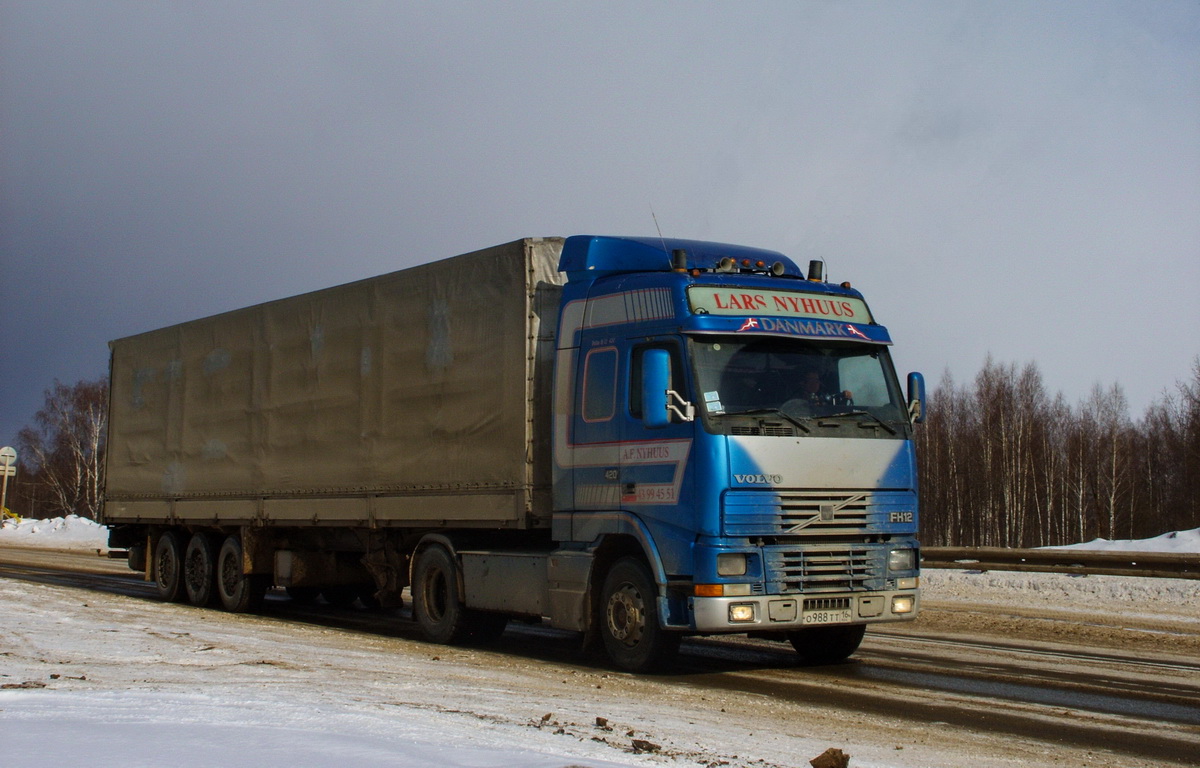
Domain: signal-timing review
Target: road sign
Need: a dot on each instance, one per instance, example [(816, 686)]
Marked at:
[(8, 462), (8, 468)]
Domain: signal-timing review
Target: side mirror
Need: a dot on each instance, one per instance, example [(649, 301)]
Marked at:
[(916, 398), (656, 380), (658, 401)]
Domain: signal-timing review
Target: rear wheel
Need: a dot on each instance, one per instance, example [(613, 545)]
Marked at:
[(629, 626), (437, 608), (200, 569), (239, 592), (827, 645), (168, 567)]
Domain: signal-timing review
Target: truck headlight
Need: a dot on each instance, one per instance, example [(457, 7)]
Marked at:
[(741, 612), (731, 564), (902, 604), (902, 560)]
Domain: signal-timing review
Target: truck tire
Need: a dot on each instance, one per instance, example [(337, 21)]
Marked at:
[(239, 592), (827, 645), (628, 620), (200, 569), (437, 608), (168, 567)]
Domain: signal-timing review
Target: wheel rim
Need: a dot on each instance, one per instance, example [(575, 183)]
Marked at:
[(165, 572), (626, 615), (231, 574), (195, 571)]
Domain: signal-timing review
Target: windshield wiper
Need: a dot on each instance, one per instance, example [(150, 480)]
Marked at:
[(776, 411), (878, 420)]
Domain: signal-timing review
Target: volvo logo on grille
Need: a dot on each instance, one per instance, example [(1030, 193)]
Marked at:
[(759, 479)]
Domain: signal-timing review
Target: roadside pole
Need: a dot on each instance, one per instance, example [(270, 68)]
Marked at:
[(8, 468)]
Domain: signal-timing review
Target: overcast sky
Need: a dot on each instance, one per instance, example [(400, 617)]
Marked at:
[(1020, 179)]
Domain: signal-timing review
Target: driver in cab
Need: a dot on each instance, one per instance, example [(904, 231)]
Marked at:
[(814, 392)]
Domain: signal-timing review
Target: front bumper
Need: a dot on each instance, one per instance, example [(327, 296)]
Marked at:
[(791, 612)]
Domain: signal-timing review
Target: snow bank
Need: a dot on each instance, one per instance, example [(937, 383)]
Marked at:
[(70, 532), (1128, 595), (1178, 542)]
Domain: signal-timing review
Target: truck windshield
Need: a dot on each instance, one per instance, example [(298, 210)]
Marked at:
[(807, 383)]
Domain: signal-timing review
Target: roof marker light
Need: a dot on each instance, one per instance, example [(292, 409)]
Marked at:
[(679, 260)]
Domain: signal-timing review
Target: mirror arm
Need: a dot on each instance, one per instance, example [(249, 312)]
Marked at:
[(684, 410), (914, 411)]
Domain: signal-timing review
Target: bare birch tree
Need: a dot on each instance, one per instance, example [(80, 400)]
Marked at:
[(64, 450)]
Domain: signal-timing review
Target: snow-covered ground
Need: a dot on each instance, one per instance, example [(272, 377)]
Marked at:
[(106, 680)]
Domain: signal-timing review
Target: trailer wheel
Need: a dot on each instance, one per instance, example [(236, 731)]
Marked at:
[(200, 569), (168, 567), (628, 619), (827, 645), (239, 592)]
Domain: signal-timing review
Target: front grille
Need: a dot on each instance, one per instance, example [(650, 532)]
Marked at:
[(825, 569), (844, 513), (822, 512)]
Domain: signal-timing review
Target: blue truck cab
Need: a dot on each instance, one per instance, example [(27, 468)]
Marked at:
[(741, 421)]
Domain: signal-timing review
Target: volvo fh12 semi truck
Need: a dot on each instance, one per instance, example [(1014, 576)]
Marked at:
[(637, 439)]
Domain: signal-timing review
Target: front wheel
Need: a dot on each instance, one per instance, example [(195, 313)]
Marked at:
[(827, 645), (633, 636)]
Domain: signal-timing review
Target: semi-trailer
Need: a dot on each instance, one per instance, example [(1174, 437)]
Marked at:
[(638, 439)]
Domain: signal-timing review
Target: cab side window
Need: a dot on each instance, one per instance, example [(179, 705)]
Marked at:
[(600, 384)]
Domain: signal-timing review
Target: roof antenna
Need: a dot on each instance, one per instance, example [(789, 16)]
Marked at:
[(660, 236)]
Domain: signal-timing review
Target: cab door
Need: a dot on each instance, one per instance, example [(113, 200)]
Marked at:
[(655, 467), (596, 426)]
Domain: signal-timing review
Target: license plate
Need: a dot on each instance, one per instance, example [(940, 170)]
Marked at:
[(828, 617)]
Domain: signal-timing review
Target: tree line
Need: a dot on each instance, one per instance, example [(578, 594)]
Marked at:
[(1005, 464), (60, 457), (1002, 462)]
